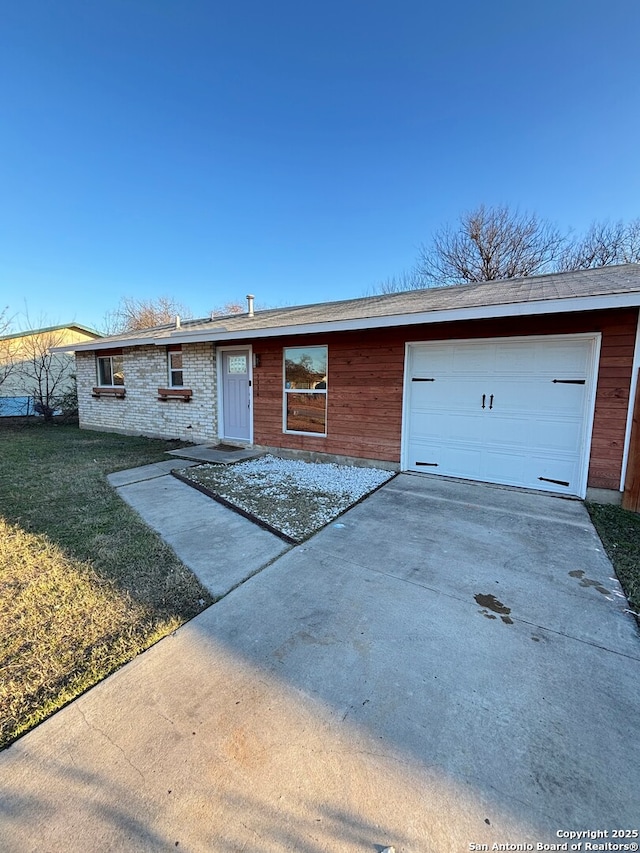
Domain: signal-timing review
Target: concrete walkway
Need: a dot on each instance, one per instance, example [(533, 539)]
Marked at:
[(451, 666), (220, 546)]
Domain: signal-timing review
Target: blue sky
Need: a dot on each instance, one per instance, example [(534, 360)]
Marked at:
[(300, 151)]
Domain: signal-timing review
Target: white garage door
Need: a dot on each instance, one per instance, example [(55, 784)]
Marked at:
[(512, 410)]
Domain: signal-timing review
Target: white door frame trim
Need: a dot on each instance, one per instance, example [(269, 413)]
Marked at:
[(220, 383), (590, 398)]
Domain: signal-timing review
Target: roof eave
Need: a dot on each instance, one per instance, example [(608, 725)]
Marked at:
[(104, 343), (517, 309), (28, 333), (450, 315)]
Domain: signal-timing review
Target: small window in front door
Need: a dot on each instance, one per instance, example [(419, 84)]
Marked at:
[(237, 364)]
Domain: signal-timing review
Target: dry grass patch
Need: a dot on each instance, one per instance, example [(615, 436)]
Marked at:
[(85, 585), (619, 531), (45, 598)]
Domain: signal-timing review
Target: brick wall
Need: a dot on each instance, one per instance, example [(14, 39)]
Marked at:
[(140, 412)]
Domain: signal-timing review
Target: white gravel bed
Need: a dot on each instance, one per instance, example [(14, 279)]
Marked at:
[(294, 497)]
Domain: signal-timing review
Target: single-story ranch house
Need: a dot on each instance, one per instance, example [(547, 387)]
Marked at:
[(527, 382)]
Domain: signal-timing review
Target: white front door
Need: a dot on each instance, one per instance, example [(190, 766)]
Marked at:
[(236, 395), (515, 411)]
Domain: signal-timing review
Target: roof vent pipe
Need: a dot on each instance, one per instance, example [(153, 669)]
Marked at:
[(177, 321), (250, 299)]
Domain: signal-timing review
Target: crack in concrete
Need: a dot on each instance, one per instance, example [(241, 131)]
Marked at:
[(140, 480), (579, 640), (463, 600), (527, 804), (254, 573), (96, 728), (508, 512)]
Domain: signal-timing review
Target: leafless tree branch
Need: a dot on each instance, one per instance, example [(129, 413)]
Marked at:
[(133, 314), (228, 309), (399, 283), (495, 243), (605, 243), (7, 354), (490, 243), (46, 376)]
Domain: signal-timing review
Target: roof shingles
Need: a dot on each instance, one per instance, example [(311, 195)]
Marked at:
[(604, 281)]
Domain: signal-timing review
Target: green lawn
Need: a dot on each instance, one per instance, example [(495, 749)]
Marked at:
[(85, 585)]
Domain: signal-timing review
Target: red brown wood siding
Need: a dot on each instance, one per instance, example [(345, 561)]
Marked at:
[(365, 377)]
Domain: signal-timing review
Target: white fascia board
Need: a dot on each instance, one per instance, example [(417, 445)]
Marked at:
[(484, 312), (518, 309), (90, 346)]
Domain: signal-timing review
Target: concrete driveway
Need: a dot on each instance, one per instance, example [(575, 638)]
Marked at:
[(450, 666)]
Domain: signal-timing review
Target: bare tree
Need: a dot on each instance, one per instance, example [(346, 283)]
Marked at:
[(604, 243), (133, 315), (490, 243), (7, 354), (399, 283), (631, 254), (228, 309), (46, 376)]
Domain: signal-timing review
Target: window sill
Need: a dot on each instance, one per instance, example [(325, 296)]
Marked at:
[(116, 391), (184, 394)]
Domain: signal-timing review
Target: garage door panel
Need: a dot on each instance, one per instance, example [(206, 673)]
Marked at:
[(500, 393), (505, 396), (516, 434), (461, 460), (427, 395), (467, 427), (427, 456), (427, 425), (434, 425), (507, 430), (429, 362), (560, 398), (473, 360), (443, 393), (532, 394), (510, 359), (504, 466), (453, 456), (531, 431), (568, 357), (554, 474), (542, 358), (562, 435), (507, 466), (537, 470)]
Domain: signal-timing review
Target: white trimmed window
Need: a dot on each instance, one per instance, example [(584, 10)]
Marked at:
[(110, 370), (305, 390), (174, 365)]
